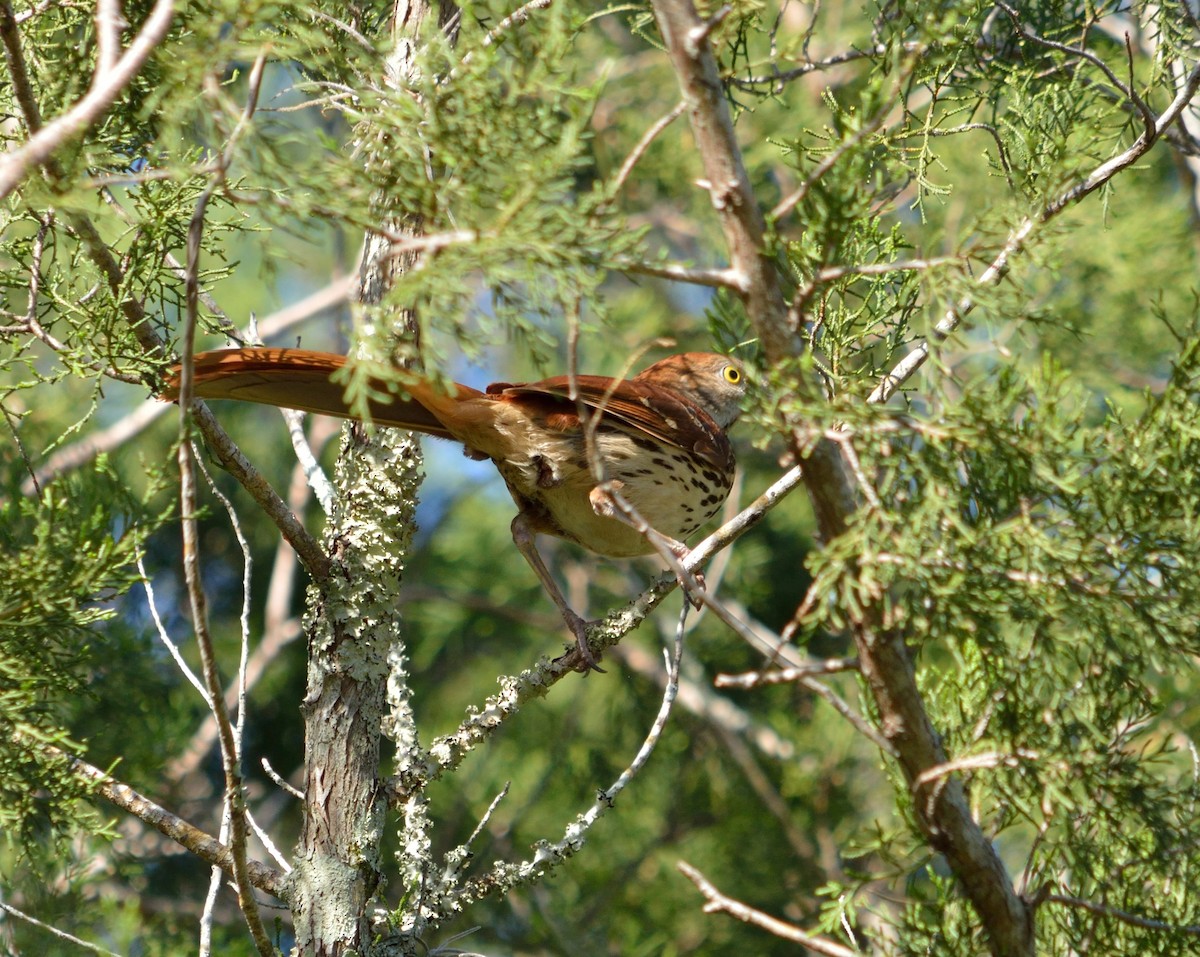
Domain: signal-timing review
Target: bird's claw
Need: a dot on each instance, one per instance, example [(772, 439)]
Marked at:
[(692, 583), (580, 658)]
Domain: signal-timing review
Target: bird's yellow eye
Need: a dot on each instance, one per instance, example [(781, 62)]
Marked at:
[(733, 375)]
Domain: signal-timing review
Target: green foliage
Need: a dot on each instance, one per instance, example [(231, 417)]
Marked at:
[(72, 554)]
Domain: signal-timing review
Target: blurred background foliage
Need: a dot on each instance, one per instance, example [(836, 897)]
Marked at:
[(949, 129)]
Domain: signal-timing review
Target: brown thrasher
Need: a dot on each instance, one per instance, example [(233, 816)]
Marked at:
[(659, 442)]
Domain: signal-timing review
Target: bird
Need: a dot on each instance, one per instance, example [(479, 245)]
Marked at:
[(617, 466)]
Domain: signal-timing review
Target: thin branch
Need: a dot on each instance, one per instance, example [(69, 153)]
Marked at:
[(1124, 916), (346, 28), (1102, 174), (280, 782), (505, 875), (405, 245), (307, 460), (780, 77), (165, 637), (834, 273), (940, 773), (281, 628), (610, 630), (109, 24), (718, 903), (717, 278), (514, 19), (106, 86), (639, 150), (1001, 150), (235, 796), (779, 676), (203, 845), (37, 10), (50, 929), (719, 711)]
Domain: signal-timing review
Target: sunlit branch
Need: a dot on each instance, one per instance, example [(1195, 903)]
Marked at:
[(719, 903)]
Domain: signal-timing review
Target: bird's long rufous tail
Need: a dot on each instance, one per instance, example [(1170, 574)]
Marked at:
[(302, 379)]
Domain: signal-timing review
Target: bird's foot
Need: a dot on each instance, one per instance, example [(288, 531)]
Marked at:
[(581, 658), (692, 583)]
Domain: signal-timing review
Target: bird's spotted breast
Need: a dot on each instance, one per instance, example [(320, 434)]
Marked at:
[(681, 490)]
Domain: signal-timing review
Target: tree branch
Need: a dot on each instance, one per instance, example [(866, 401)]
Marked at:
[(1124, 916), (720, 903), (758, 679), (235, 795), (717, 278), (505, 875), (50, 929), (203, 845), (106, 86)]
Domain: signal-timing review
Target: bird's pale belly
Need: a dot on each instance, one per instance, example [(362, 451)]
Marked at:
[(675, 491)]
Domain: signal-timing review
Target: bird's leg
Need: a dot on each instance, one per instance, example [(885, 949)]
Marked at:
[(523, 538), (606, 502)]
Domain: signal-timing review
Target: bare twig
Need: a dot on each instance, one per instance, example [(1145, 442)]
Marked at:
[(699, 699), (718, 903), (639, 150), (109, 24), (778, 78), (728, 183), (165, 637), (717, 278), (548, 855), (281, 782), (313, 473), (235, 796), (514, 19), (758, 679), (51, 929), (36, 10)]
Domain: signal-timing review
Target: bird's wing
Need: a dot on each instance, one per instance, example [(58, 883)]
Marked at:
[(660, 414)]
